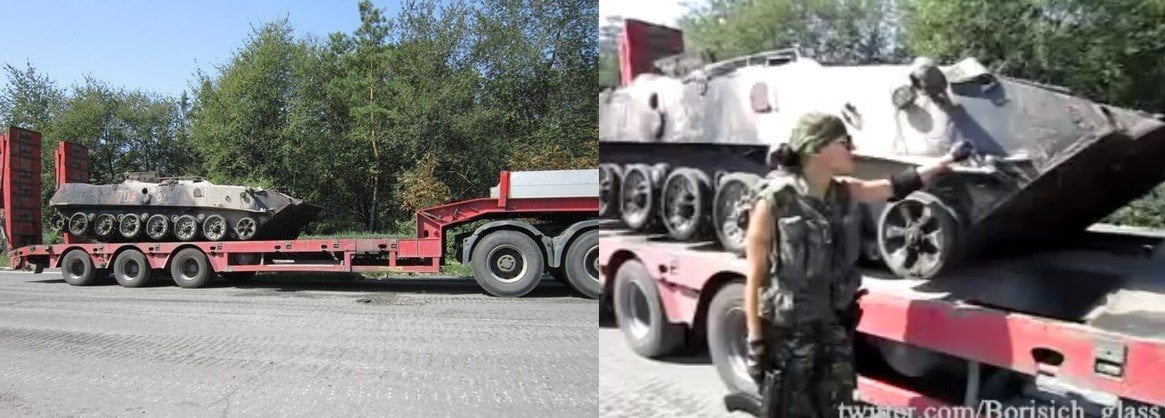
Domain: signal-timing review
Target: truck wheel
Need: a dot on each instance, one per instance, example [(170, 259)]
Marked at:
[(582, 264), (77, 268), (728, 336), (639, 313), (190, 268), (507, 264), (131, 269)]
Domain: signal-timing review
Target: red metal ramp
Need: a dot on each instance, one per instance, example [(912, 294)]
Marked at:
[(20, 183)]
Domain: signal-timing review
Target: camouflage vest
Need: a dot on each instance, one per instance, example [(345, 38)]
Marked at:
[(812, 266)]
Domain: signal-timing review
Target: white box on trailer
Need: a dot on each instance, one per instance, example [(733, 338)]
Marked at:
[(551, 183)]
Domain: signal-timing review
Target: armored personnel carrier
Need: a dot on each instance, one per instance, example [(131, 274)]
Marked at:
[(183, 209), (684, 139)]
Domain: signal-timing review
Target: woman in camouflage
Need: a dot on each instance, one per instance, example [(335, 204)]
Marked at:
[(803, 242)]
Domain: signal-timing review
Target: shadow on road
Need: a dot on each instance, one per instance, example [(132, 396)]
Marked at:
[(346, 282)]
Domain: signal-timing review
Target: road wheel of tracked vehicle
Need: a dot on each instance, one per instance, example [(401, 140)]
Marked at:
[(730, 209), (157, 227), (917, 236), (728, 338), (131, 269), (77, 268), (78, 224), (190, 268), (57, 222), (245, 228), (104, 225), (130, 226), (637, 200), (640, 315), (186, 228), (610, 177), (507, 263), (215, 228), (685, 204), (581, 265)]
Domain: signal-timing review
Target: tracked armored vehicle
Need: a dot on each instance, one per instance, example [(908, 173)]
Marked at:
[(685, 138), (183, 209)]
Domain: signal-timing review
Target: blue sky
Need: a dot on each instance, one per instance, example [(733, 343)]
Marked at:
[(152, 45)]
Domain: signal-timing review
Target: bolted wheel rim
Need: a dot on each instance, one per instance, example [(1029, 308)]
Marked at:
[(185, 228), (157, 227), (57, 222), (78, 223), (680, 202), (214, 228), (189, 269), (636, 194), (76, 268), (638, 322), (130, 226), (506, 264), (132, 269), (245, 228), (732, 208), (913, 237), (104, 225), (591, 262)]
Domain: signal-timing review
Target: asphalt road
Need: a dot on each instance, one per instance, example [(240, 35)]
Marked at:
[(294, 346), (682, 384)]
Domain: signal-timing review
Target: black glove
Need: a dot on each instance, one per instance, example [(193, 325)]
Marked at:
[(853, 313), (754, 360), (960, 151)]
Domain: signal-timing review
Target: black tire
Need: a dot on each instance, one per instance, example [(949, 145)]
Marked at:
[(725, 209), (190, 268), (77, 269), (238, 276), (131, 269), (640, 315), (926, 245), (581, 264), (687, 221), (507, 263), (727, 338)]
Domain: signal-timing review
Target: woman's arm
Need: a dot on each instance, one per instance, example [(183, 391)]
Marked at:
[(759, 241), (883, 190)]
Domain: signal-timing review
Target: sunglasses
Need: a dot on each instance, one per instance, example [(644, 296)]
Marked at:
[(846, 141)]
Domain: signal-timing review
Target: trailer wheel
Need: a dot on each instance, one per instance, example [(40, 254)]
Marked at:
[(507, 263), (131, 269), (730, 207), (190, 268), (582, 264), (917, 236), (639, 313), (77, 268), (728, 337)]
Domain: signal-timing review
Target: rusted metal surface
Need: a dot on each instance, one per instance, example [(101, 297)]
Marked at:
[(20, 184), (177, 209)]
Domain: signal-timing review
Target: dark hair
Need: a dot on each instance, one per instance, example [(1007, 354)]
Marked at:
[(784, 157)]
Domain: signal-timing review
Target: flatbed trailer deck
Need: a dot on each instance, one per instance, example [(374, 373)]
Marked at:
[(542, 225), (1078, 324)]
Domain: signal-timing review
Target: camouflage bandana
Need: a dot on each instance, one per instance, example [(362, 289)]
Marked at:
[(814, 131)]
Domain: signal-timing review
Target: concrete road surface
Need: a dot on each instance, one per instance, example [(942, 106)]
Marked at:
[(290, 346), (683, 384)]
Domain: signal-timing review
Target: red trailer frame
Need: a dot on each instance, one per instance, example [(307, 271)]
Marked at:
[(424, 254), (687, 278)]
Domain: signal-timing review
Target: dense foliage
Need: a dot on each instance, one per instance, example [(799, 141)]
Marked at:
[(1111, 51), (411, 108)]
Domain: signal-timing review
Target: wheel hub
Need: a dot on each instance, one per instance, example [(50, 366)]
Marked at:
[(506, 263)]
